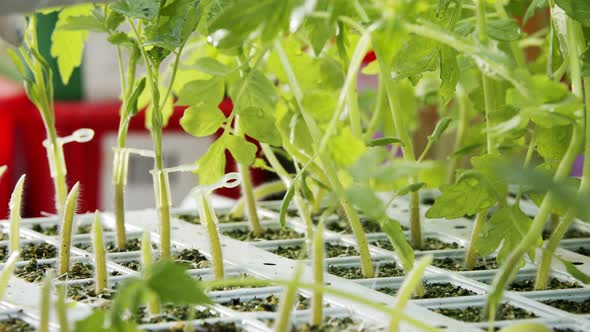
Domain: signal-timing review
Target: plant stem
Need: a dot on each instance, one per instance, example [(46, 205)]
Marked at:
[(288, 301), (376, 117), (329, 167), (581, 89), (100, 264), (415, 224), (45, 304), (15, 217), (146, 262), (463, 102), (7, 272), (62, 310), (121, 236), (317, 300), (66, 230), (511, 264), (260, 192), (471, 254), (207, 216)]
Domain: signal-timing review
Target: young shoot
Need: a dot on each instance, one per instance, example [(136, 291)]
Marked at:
[(7, 272), (100, 263), (288, 300), (45, 304), (15, 217), (317, 300), (66, 230), (147, 261), (62, 309)]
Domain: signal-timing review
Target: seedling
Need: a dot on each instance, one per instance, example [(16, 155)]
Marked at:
[(45, 305), (7, 272), (15, 218), (146, 264), (317, 301), (100, 265), (62, 309), (66, 230)]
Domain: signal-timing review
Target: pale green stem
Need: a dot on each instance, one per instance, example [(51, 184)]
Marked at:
[(411, 283), (7, 272), (282, 323), (62, 310), (45, 304), (100, 264), (66, 230), (377, 114), (153, 304), (317, 300), (463, 102), (15, 217), (208, 218), (471, 254), (527, 161), (262, 191), (121, 236)]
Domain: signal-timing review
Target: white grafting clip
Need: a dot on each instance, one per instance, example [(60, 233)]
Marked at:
[(121, 162), (201, 193), (58, 162), (163, 175)]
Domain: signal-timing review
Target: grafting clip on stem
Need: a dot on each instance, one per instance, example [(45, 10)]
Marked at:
[(121, 162), (58, 163), (165, 177)]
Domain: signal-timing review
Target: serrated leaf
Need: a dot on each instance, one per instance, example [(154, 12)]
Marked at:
[(176, 21), (552, 142), (503, 29), (259, 124), (254, 90), (202, 120), (120, 38), (212, 163), (319, 29), (84, 23), (170, 281), (449, 73), (365, 200), (200, 92), (320, 104), (142, 9), (212, 67), (243, 151), (576, 9), (67, 45), (346, 148)]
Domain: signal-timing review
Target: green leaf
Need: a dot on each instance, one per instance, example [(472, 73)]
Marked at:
[(410, 188), (532, 8), (131, 293), (487, 166), (175, 23), (120, 38), (212, 67), (67, 45), (346, 148), (285, 205), (170, 281), (243, 151), (449, 73), (254, 90), (319, 30), (585, 58), (84, 23), (384, 141), (365, 200), (466, 197), (506, 227), (320, 104), (142, 9), (259, 124), (576, 9), (398, 239), (387, 40), (202, 120), (132, 107), (440, 128), (199, 92), (574, 271), (552, 142), (93, 322), (504, 29), (212, 163)]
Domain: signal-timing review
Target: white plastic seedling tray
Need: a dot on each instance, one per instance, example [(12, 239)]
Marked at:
[(256, 259)]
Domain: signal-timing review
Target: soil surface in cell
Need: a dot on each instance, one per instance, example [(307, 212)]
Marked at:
[(342, 225), (582, 251), (15, 325), (47, 230), (475, 314), (4, 236), (331, 251), (133, 265), (224, 218), (572, 233), (354, 272), (528, 285), (435, 290), (574, 307), (87, 228), (457, 264), (32, 251), (33, 271), (268, 304), (429, 243), (331, 324), (173, 313), (86, 292), (192, 259), (79, 270), (243, 234), (131, 245)]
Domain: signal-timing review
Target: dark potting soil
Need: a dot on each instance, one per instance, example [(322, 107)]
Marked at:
[(218, 327), (429, 243), (342, 225), (268, 234), (79, 270), (456, 264), (33, 271), (131, 245), (475, 314), (572, 233), (47, 230), (331, 251), (4, 236), (574, 307), (223, 218), (435, 290), (330, 324), (528, 285), (87, 228), (268, 304), (354, 272), (87, 292), (15, 325), (133, 265), (174, 313), (32, 251), (192, 259)]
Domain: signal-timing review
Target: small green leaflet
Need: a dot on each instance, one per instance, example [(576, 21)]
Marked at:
[(533, 6), (507, 227), (212, 67), (449, 73), (142, 9), (440, 128), (202, 92), (176, 21), (202, 120), (254, 90), (410, 188), (585, 58), (212, 163), (346, 148), (576, 9), (67, 45), (503, 29), (552, 142), (132, 107), (400, 243), (170, 281), (243, 151), (384, 141), (319, 30), (259, 124), (320, 104)]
